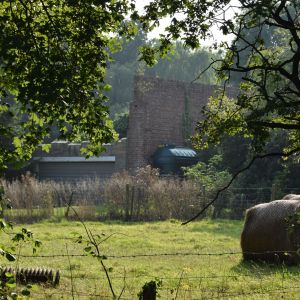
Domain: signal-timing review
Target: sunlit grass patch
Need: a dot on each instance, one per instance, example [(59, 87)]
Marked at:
[(188, 259)]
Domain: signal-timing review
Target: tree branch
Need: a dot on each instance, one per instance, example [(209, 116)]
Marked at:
[(282, 154), (207, 68), (275, 125)]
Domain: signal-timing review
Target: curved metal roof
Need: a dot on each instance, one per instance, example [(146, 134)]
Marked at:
[(173, 151), (184, 152)]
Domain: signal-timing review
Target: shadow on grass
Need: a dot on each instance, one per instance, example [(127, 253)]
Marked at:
[(261, 268), (230, 228)]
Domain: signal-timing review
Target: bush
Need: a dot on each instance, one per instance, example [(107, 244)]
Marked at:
[(146, 196), (143, 196)]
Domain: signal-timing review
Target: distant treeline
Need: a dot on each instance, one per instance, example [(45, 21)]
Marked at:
[(182, 64)]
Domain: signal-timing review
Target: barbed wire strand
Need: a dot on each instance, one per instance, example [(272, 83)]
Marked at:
[(186, 277), (159, 254), (211, 294), (208, 277)]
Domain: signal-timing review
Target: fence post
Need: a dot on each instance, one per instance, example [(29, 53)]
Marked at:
[(132, 201), (70, 203), (139, 198), (204, 194), (273, 192), (148, 291), (127, 202)]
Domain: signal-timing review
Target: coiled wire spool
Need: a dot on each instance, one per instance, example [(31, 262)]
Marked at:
[(32, 275)]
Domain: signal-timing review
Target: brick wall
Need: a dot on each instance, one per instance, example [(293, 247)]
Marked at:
[(163, 112)]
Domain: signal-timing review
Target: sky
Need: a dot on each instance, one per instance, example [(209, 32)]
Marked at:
[(216, 32)]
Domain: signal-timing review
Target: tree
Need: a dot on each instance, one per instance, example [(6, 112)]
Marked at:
[(185, 64), (121, 124), (181, 64), (121, 72), (268, 95), (53, 61), (53, 58), (209, 175), (54, 55)]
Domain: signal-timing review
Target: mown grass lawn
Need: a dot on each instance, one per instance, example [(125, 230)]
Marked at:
[(197, 270)]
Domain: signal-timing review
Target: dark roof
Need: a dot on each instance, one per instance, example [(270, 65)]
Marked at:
[(185, 152)]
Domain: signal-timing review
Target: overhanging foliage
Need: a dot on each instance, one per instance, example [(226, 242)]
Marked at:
[(53, 59), (265, 55)]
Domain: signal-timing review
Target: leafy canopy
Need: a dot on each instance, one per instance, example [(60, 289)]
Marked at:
[(210, 174), (53, 58), (265, 53), (54, 54)]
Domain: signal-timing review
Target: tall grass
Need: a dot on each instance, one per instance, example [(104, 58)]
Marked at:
[(146, 196), (143, 196), (203, 275)]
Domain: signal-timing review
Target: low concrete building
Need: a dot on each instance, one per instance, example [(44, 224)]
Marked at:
[(65, 162)]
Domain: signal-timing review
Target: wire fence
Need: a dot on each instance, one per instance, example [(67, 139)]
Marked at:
[(184, 275), (233, 202), (241, 280), (155, 254), (136, 203)]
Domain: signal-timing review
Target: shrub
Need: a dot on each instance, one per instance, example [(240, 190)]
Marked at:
[(146, 196), (143, 196)]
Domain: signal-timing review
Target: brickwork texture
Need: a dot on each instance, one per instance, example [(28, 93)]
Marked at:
[(163, 112)]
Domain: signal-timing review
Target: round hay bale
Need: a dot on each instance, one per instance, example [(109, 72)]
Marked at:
[(271, 232), (291, 197)]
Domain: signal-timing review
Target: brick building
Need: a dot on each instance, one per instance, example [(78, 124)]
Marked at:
[(163, 112)]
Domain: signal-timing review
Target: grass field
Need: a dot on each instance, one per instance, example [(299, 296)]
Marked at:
[(186, 272)]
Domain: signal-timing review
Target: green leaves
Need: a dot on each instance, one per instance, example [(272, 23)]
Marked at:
[(17, 142), (209, 175), (149, 55), (46, 147), (87, 249), (9, 256), (10, 281), (54, 56), (25, 293), (223, 116), (263, 58)]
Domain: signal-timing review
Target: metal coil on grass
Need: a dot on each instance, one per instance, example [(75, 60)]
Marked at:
[(32, 275)]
